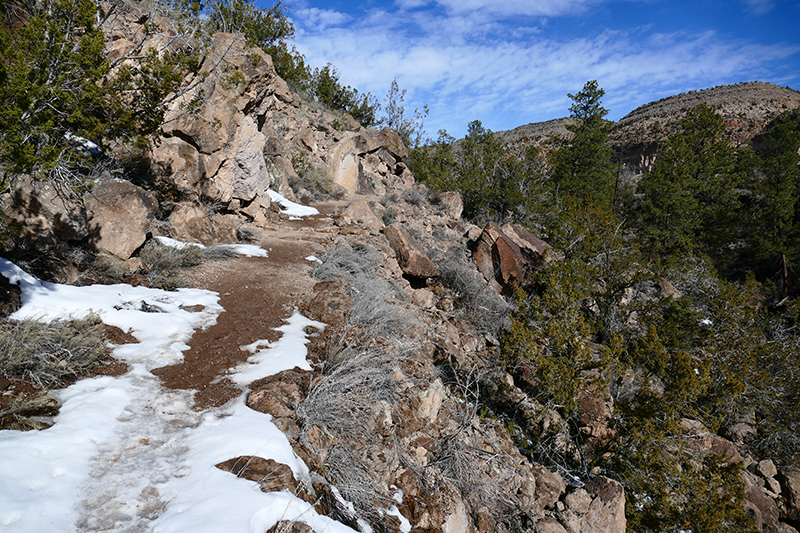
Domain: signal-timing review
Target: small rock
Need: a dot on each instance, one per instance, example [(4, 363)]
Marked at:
[(767, 468)]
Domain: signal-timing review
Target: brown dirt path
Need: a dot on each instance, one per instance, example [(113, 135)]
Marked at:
[(257, 294)]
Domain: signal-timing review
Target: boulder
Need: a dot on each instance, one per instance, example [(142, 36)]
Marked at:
[(359, 212), (409, 253), (606, 513), (280, 394), (549, 488), (244, 174), (705, 441), (285, 526), (191, 222), (764, 508), (500, 259), (47, 212), (120, 215), (453, 204), (550, 525), (270, 475), (331, 303), (767, 468), (533, 249), (790, 492)]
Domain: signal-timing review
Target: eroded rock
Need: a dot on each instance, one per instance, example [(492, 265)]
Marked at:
[(410, 256)]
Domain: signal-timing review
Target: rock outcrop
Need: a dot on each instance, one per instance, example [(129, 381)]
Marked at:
[(504, 253)]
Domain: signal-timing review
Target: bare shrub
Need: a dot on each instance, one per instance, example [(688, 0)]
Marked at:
[(487, 311), (248, 234), (219, 252), (316, 181), (50, 354), (163, 263), (349, 397), (416, 196), (377, 311)]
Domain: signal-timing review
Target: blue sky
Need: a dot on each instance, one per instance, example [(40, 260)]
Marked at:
[(511, 62)]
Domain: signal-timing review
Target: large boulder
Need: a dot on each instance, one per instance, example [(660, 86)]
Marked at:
[(47, 212), (331, 303), (412, 259), (120, 215), (790, 492), (500, 259), (359, 212), (597, 508)]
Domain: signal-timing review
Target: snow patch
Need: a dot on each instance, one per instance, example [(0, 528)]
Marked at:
[(125, 454), (291, 208)]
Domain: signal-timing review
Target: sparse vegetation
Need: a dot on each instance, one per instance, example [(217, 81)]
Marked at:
[(50, 354), (164, 263)]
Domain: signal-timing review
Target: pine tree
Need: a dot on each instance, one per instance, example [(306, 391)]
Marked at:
[(583, 167), (689, 199), (776, 231)]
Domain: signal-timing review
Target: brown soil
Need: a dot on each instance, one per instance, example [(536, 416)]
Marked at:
[(258, 294)]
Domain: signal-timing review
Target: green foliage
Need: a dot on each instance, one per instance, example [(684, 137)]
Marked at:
[(327, 89), (690, 202), (775, 215), (269, 29), (494, 184), (582, 165), (55, 84)]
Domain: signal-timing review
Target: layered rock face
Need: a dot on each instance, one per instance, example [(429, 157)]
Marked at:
[(247, 131)]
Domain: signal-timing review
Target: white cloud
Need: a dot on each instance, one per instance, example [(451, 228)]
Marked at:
[(467, 69), (321, 18), (759, 7), (546, 8)]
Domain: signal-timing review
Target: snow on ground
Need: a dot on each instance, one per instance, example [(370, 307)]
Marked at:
[(290, 208), (125, 454), (248, 250)]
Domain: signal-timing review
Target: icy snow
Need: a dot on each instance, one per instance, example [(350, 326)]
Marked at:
[(290, 208), (248, 250), (125, 454)]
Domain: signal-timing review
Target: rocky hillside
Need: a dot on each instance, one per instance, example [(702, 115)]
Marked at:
[(746, 107), (404, 421)]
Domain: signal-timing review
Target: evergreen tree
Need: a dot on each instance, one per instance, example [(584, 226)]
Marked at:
[(330, 91), (56, 85), (583, 167), (689, 198), (776, 225)]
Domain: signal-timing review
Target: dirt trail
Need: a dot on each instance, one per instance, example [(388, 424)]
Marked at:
[(257, 294)]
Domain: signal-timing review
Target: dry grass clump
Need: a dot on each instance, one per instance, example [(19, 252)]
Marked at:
[(377, 310), (313, 184), (487, 311), (219, 252), (164, 263), (50, 354)]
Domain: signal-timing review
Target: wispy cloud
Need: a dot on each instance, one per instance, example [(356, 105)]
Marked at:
[(321, 18), (759, 7), (466, 67), (546, 8)]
